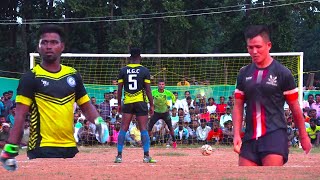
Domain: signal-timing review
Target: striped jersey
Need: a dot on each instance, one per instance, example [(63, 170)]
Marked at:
[(50, 97), (265, 92), (134, 77)]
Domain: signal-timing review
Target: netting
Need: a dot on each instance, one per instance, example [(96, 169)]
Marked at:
[(212, 75)]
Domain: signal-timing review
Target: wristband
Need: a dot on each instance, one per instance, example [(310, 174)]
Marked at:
[(11, 148), (98, 120)]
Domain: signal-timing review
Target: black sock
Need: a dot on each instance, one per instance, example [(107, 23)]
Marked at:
[(146, 153), (119, 153)]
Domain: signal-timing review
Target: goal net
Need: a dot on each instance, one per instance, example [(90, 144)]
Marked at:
[(211, 75)]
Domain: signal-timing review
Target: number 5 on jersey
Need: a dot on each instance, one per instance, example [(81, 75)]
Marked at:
[(133, 83)]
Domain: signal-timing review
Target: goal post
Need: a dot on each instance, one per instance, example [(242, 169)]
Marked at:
[(215, 73)]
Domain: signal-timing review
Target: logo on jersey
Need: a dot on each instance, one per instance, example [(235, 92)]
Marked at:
[(248, 78), (272, 80), (71, 81), (45, 83)]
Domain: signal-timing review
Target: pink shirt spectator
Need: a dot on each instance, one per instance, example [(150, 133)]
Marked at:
[(316, 106)]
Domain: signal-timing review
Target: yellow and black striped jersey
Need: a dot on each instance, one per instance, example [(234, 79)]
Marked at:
[(51, 97), (134, 77)]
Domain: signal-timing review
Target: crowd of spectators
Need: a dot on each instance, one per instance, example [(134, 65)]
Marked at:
[(198, 120)]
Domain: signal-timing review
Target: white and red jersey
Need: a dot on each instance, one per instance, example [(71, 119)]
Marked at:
[(265, 92)]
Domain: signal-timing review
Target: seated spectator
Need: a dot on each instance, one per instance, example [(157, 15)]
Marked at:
[(211, 107), (215, 135), (86, 134), (222, 107), (192, 129), (316, 106), (202, 132), (2, 120), (93, 101), (114, 133), (181, 133), (231, 101), (228, 133), (114, 114), (136, 136), (4, 134), (213, 118), (174, 117), (26, 133), (226, 117), (313, 132), (205, 115)]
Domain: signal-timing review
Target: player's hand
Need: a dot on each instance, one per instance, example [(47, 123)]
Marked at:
[(306, 144), (237, 143), (151, 111), (7, 157)]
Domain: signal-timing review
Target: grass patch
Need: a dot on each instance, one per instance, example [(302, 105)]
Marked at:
[(171, 154)]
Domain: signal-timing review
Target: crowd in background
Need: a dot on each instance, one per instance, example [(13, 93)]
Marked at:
[(198, 120)]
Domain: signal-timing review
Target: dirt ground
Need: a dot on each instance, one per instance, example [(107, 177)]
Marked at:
[(181, 163)]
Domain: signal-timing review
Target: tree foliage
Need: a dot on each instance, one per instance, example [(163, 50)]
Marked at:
[(158, 26)]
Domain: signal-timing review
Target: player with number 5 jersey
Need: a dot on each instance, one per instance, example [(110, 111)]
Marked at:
[(135, 80)]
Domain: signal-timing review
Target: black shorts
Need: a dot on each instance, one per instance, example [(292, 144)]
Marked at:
[(52, 152), (137, 108), (156, 116), (275, 142)]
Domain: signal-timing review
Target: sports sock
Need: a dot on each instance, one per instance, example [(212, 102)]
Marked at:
[(145, 142), (121, 138)]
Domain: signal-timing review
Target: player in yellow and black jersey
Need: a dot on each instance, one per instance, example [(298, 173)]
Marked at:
[(135, 80), (48, 92)]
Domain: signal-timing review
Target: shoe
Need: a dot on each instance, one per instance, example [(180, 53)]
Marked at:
[(174, 145), (148, 159), (118, 159)]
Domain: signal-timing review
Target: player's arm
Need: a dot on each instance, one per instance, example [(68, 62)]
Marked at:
[(290, 93), (89, 111), (173, 97)]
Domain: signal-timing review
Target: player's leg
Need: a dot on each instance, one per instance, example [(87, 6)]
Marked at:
[(272, 160), (154, 118), (274, 148), (248, 154), (126, 119), (167, 120), (142, 118)]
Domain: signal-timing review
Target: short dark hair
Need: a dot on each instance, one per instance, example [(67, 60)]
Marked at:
[(135, 52), (10, 91), (5, 93), (310, 95), (160, 80), (317, 95), (52, 28), (255, 30)]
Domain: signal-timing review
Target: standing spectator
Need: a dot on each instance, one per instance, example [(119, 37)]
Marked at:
[(314, 132), (174, 117), (194, 81), (316, 105), (7, 103), (222, 107), (309, 102), (215, 134), (93, 101), (178, 104), (192, 129), (10, 117), (183, 82), (202, 131), (114, 99), (226, 117), (230, 103), (114, 82), (105, 106), (2, 107)]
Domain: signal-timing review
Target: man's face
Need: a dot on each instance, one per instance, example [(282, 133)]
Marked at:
[(312, 124), (161, 85), (75, 116), (50, 47), (2, 120), (186, 94), (93, 100), (13, 110), (221, 100), (115, 94), (317, 99), (176, 95), (107, 96), (258, 48), (310, 98), (312, 113), (5, 129), (6, 96), (228, 111)]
